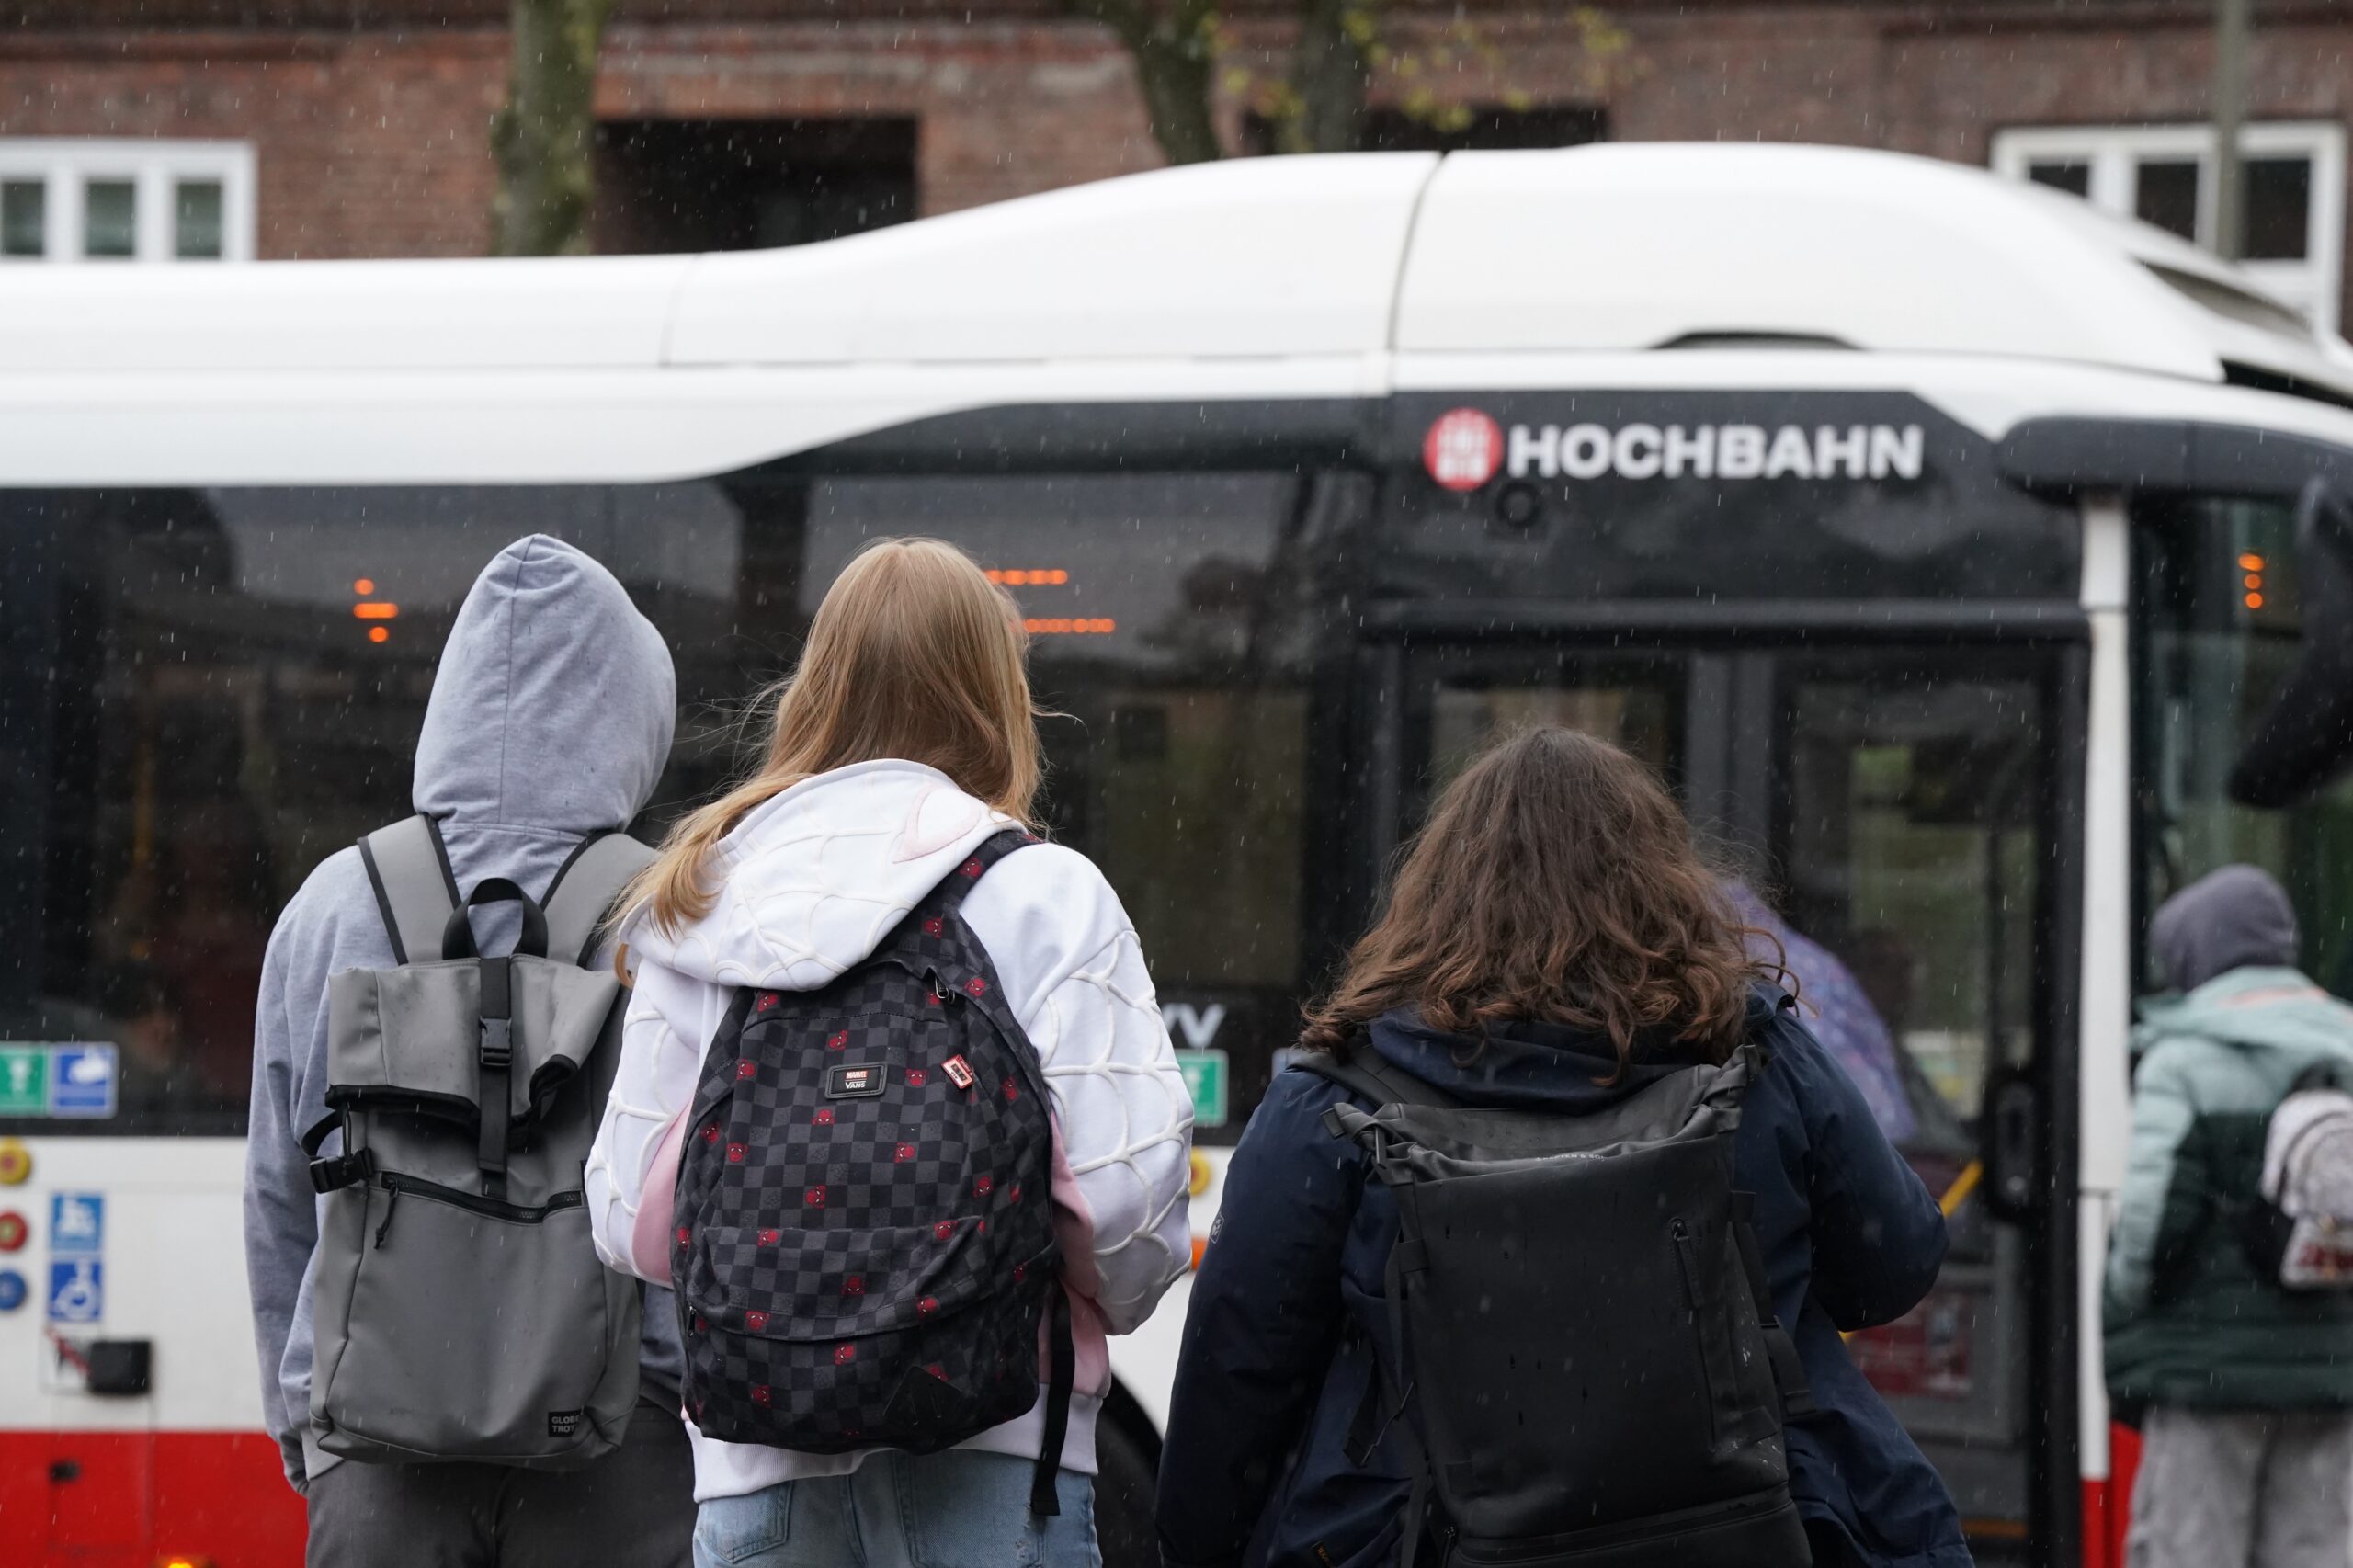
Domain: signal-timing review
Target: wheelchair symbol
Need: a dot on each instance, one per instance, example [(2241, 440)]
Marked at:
[(76, 1290)]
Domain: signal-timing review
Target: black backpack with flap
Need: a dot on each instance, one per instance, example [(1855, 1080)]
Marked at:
[(1590, 1372)]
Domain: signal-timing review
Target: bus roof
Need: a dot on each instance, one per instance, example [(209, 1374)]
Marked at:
[(1609, 248)]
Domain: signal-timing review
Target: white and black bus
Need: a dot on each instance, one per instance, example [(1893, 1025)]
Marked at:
[(1944, 543)]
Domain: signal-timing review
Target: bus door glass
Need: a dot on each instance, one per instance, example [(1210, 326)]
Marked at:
[(1891, 815)]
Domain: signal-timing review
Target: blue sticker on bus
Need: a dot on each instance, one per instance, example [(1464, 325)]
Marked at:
[(12, 1290), (77, 1291), (82, 1080), (77, 1222)]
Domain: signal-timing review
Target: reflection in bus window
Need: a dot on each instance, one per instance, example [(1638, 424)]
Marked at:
[(213, 690), (1172, 617), (2217, 649)]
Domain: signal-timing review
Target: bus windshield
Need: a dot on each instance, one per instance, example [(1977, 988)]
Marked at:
[(2220, 617)]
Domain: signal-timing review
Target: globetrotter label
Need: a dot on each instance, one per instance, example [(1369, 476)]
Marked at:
[(1465, 449)]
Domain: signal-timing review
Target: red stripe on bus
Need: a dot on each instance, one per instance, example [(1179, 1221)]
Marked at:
[(124, 1499)]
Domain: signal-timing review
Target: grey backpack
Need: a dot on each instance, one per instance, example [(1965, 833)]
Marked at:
[(461, 1309)]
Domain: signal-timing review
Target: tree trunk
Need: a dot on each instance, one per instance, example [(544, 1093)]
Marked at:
[(1175, 53), (542, 139), (1327, 76)]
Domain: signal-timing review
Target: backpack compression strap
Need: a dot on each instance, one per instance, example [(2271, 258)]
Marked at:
[(409, 869), (583, 893)]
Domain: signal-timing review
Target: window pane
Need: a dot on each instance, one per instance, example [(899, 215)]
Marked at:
[(2279, 194), (197, 220), (192, 718), (2070, 176), (24, 217), (110, 218), (2167, 195), (1170, 617)]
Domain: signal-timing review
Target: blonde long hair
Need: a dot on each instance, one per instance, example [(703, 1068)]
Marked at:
[(915, 654)]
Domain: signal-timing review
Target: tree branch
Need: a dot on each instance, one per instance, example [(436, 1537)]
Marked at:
[(1175, 51)]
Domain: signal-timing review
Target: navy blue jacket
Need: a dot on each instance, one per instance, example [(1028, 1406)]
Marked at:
[(1287, 1312)]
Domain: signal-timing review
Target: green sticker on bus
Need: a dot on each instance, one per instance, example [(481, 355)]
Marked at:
[(24, 1080), (1205, 1080)]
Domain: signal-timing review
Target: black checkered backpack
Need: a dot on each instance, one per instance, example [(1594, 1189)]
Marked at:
[(865, 1244)]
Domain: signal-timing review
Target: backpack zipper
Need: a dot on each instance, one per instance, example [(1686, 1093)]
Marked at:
[(392, 1201), (490, 1207)]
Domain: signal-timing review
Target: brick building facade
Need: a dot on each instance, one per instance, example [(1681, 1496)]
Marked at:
[(743, 121)]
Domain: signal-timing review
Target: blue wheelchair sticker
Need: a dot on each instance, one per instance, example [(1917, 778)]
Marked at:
[(76, 1290)]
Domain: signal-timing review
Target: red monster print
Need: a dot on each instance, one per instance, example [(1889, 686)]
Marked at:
[(972, 868), (761, 1394), (769, 1238), (904, 1153), (710, 1132), (1010, 1093), (845, 1354), (700, 1325), (984, 1186), (853, 1284), (767, 1000), (943, 1229), (933, 927), (755, 1321), (916, 1078), (824, 1117), (937, 1370), (839, 1041), (928, 1306), (685, 1236), (735, 1153), (814, 1198), (976, 986), (1013, 1193), (747, 1069), (1020, 1272)]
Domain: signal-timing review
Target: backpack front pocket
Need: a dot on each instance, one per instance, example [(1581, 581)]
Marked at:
[(452, 1349)]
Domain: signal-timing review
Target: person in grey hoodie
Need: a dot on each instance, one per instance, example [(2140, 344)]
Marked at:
[(2247, 1389), (550, 717)]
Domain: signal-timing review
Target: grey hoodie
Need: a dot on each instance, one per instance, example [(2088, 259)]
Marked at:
[(550, 717)]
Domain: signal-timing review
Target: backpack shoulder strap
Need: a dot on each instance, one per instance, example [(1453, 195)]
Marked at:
[(948, 895), (409, 868), (1363, 1071), (583, 893)]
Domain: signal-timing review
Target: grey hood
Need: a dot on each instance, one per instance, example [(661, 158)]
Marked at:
[(2235, 918), (554, 702)]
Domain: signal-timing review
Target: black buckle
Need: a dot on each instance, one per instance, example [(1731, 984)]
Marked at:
[(497, 1044), (344, 1170)]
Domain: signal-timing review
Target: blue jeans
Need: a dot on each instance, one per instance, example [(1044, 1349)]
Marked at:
[(957, 1509)]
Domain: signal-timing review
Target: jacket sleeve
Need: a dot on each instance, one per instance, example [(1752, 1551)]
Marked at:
[(2164, 1195), (1878, 1236), (1261, 1326), (1074, 977), (670, 1018), (280, 1210)]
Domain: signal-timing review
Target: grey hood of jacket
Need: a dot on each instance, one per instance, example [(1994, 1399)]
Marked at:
[(2235, 918), (550, 717)]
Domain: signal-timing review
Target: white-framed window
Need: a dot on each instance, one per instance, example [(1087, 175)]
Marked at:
[(2293, 191), (93, 199)]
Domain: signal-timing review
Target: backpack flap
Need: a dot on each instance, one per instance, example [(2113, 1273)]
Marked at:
[(389, 1033)]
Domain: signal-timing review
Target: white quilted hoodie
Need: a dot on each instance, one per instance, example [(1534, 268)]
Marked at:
[(809, 883)]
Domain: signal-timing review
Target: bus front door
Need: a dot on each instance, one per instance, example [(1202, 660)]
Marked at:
[(1893, 815)]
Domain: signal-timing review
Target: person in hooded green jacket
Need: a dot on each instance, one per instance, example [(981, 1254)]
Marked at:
[(2246, 1389)]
